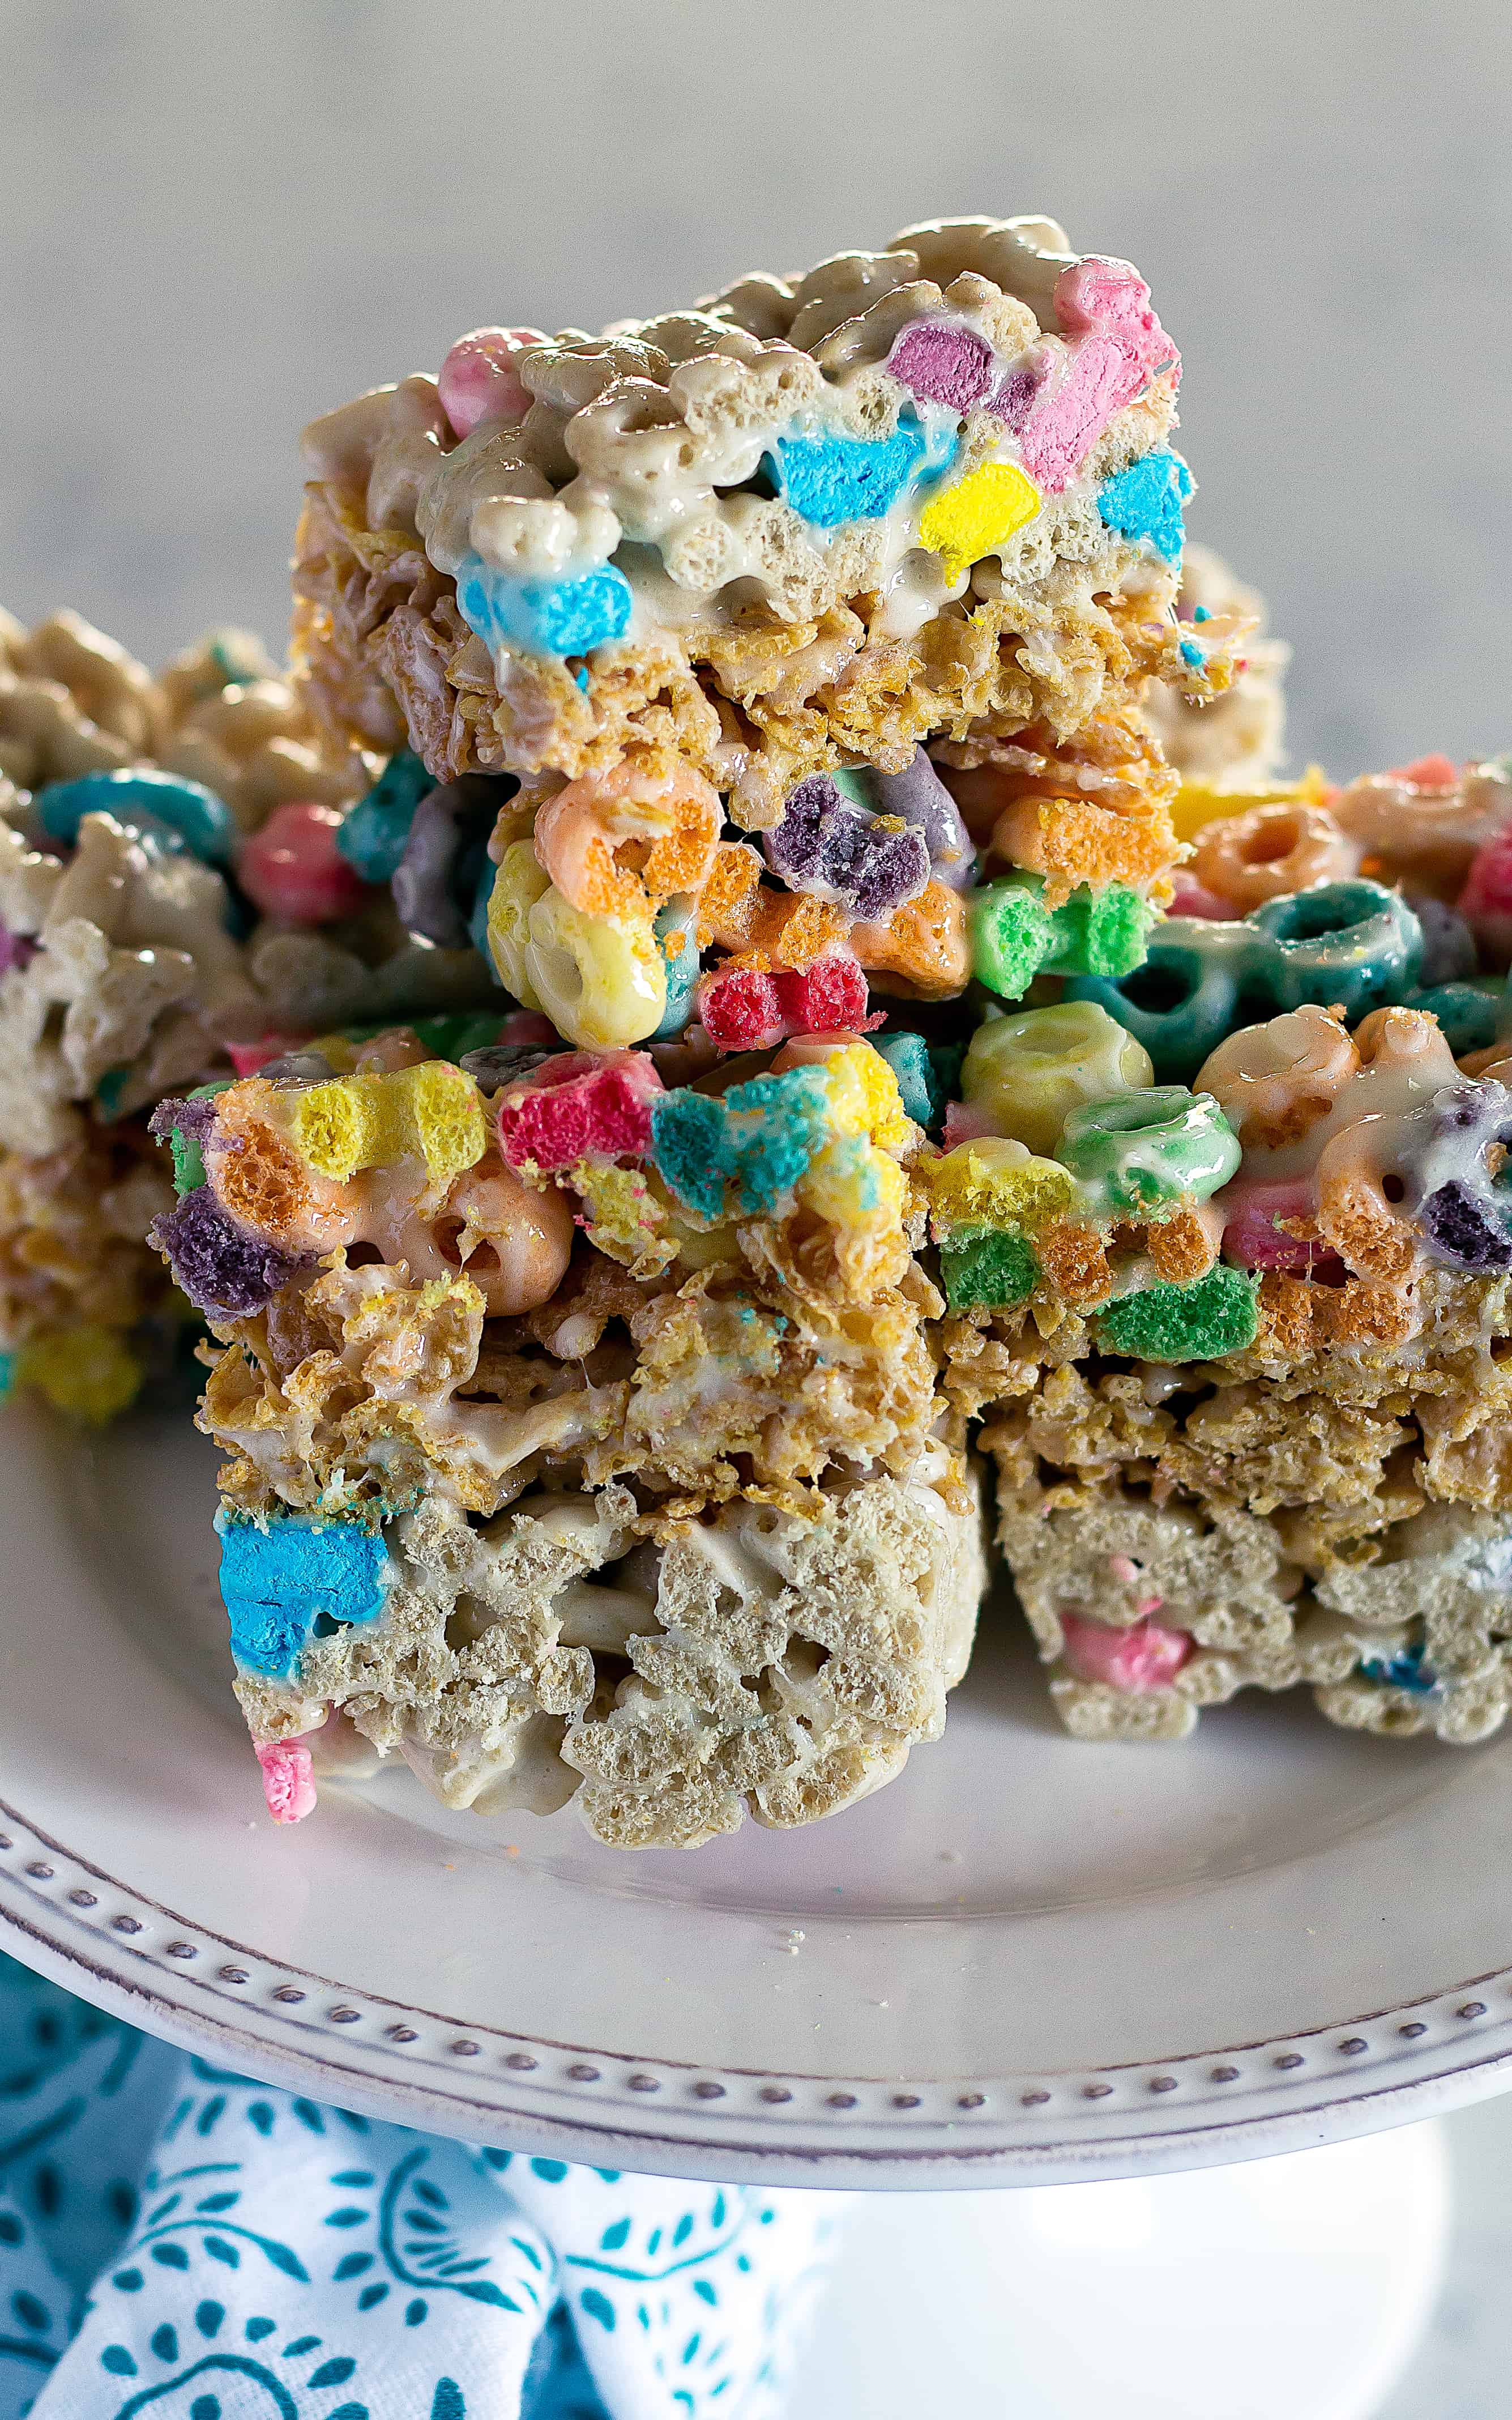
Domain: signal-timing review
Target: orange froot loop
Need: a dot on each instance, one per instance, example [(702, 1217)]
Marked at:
[(1272, 850), (621, 842), (923, 948)]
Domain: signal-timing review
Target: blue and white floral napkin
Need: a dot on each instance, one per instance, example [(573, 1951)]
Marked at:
[(185, 2243)]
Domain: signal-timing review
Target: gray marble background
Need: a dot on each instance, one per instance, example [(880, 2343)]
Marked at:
[(217, 220)]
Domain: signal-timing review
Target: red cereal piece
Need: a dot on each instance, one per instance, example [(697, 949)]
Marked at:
[(586, 1108), (1430, 773), (742, 1009), (826, 996), (293, 870), (247, 1056)]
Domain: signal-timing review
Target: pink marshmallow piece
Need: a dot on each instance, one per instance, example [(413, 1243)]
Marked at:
[(478, 379), (288, 1779), (1149, 1657), (1115, 346), (595, 1110)]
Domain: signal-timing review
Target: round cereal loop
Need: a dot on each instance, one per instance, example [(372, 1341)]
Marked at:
[(1354, 943), (166, 803), (1274, 850), (621, 842), (1424, 822), (923, 950), (1030, 1070), (1138, 1153), (519, 882), (1275, 1080), (677, 931), (602, 981), (511, 1241)]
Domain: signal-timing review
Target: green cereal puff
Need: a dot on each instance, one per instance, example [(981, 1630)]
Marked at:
[(1184, 1323), (984, 1269), (1014, 936), (1117, 923)]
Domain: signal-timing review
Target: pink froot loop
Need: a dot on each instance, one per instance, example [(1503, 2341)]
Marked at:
[(478, 379), (1193, 898), (1254, 1235), (288, 1779), (1147, 1657), (293, 871)]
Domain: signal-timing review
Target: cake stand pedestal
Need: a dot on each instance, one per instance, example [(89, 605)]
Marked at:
[(1298, 2286)]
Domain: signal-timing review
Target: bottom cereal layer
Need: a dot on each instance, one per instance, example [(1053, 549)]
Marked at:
[(1178, 1536), (669, 1677)]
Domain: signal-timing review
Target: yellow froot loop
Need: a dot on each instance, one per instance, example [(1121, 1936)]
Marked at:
[(601, 980), (434, 1111)]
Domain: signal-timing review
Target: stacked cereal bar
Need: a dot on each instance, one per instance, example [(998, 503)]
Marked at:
[(762, 689), (1250, 1411)]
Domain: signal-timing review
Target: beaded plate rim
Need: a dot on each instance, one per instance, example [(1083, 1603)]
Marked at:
[(96, 1935)]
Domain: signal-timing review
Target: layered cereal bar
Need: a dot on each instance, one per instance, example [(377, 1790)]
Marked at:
[(762, 696)]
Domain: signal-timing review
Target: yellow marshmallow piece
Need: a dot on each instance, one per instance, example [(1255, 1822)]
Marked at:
[(980, 512)]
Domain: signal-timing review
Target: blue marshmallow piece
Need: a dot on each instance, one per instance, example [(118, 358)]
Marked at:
[(279, 1581), (177, 813), (546, 618), (834, 479), (1147, 500)]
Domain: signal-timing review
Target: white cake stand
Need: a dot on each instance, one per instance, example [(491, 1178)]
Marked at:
[(1027, 1961)]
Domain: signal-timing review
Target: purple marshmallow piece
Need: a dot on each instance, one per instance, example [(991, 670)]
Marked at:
[(226, 1271), (919, 795), (943, 361), (1455, 1222), (1015, 398)]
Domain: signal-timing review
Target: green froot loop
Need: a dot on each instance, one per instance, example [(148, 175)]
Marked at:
[(1352, 944), (1139, 1152)]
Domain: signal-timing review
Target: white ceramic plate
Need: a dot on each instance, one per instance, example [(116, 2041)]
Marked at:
[(1026, 1961)]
